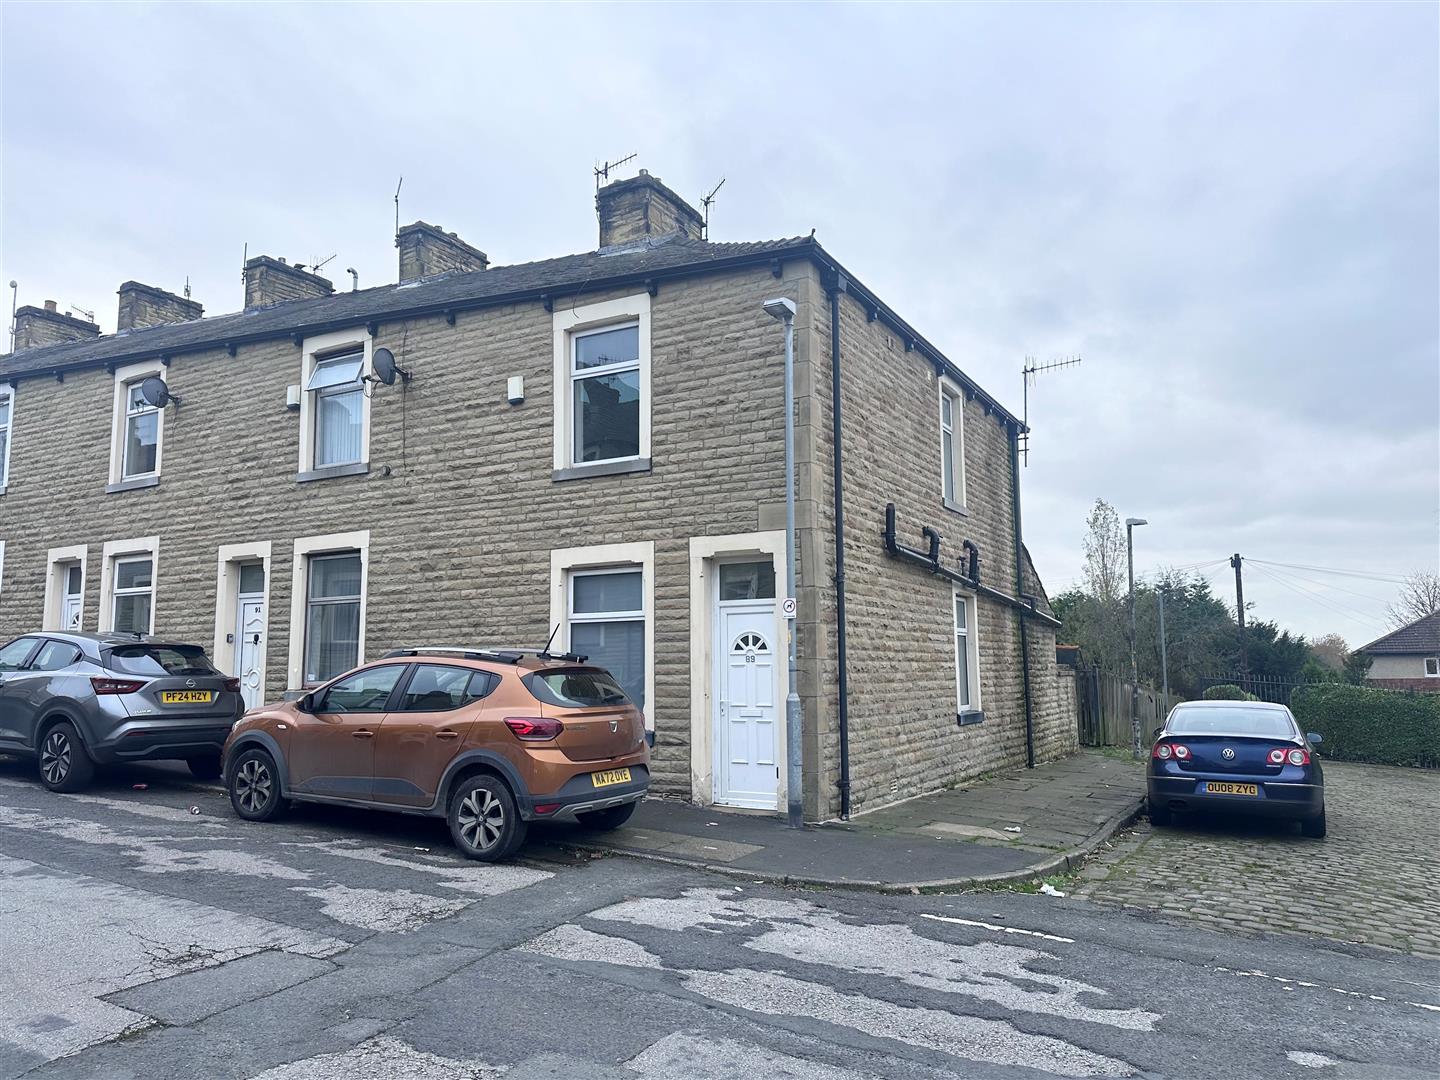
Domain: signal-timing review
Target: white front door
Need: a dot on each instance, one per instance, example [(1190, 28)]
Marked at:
[(746, 721), (250, 648), (72, 600)]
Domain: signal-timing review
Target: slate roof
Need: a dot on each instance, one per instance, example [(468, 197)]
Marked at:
[(663, 258), (1421, 637), (398, 301)]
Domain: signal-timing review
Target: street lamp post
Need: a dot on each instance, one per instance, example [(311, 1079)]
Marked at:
[(783, 309), (1130, 524)]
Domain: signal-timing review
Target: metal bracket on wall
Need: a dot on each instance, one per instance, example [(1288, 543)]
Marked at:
[(450, 316), (230, 348), (777, 268), (651, 287)]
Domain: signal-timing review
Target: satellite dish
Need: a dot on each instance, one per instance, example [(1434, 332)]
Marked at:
[(156, 394), (383, 362)]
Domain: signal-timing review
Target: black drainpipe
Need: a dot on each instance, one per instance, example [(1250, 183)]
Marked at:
[(835, 286), (1020, 591)]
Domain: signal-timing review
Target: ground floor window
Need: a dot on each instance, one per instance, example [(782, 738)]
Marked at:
[(133, 595), (967, 690), (606, 616), (332, 615)]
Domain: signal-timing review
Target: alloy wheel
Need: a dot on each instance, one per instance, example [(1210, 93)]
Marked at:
[(481, 819), (252, 785), (55, 757)]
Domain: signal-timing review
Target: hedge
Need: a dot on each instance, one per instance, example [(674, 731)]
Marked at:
[(1227, 692), (1362, 723)]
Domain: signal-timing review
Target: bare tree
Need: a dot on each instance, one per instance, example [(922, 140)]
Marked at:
[(1419, 596), (1330, 650), (1105, 574)]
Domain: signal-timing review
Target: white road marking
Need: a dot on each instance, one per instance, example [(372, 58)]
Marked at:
[(389, 911), (1287, 983), (998, 928), (776, 994), (382, 1056), (1309, 1060), (802, 931), (53, 981), (697, 1058), (480, 879)]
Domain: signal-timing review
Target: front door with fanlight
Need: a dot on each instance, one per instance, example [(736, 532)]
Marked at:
[(250, 634), (747, 729)]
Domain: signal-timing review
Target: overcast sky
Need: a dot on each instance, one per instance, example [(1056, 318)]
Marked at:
[(1229, 211)]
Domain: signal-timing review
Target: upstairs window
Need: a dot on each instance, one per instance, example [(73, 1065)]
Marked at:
[(952, 446), (605, 378), (7, 408), (141, 453), (338, 408)]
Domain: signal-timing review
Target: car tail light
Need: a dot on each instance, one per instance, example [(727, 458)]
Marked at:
[(534, 728), (1182, 752), (1277, 756), (232, 686), (115, 686), (1161, 751), (1299, 757)]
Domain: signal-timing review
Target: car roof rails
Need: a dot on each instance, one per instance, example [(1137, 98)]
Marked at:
[(502, 656)]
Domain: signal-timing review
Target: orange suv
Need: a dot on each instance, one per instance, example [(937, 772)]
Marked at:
[(490, 740)]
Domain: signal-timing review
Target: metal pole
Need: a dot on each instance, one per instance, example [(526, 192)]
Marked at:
[(1134, 666), (1164, 663), (795, 807), (1237, 562)]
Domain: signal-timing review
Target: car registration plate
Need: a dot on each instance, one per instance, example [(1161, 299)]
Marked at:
[(609, 777), (186, 697), (1217, 787)]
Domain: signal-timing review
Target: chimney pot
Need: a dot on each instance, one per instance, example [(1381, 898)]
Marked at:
[(49, 305), (641, 208)]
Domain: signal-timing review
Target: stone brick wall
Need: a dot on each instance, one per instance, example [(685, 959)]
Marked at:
[(642, 207)]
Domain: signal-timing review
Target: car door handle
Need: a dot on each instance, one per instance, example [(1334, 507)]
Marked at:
[(447, 734), (363, 734)]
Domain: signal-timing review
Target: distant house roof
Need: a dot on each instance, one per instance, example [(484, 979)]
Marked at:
[(1421, 636), (555, 281)]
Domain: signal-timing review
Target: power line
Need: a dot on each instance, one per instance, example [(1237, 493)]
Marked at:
[(1371, 575), (1301, 589), (1330, 585)]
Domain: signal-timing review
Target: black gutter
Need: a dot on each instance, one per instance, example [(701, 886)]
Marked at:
[(968, 578), (1020, 591), (835, 285)]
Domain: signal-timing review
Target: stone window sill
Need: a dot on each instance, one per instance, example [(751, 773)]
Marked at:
[(965, 719), (602, 468), (951, 504), (133, 485), (356, 468)]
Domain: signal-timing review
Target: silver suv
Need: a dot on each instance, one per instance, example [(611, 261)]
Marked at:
[(77, 700)]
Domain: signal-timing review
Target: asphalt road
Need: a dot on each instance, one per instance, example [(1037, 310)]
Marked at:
[(140, 939)]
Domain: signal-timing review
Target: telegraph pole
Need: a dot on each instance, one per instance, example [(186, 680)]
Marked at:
[(1164, 663), (1236, 562)]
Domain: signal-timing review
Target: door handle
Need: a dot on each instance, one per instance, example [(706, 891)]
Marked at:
[(256, 641), (362, 734), (447, 734)]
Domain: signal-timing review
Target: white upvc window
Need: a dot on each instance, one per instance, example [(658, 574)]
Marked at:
[(603, 601), (127, 585), (334, 403), (952, 444), (139, 428), (1432, 667), (7, 415), (967, 654), (327, 606), (602, 384)]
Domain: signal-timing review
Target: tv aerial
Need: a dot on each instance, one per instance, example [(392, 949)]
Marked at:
[(706, 201), (1028, 372), (602, 172)]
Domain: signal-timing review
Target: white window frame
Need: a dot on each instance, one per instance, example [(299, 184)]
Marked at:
[(116, 551), (952, 390), (305, 547), (972, 649), (7, 429), (1426, 667), (55, 560), (126, 377), (323, 347), (568, 562), (573, 322)]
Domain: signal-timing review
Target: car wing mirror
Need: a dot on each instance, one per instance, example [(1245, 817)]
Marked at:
[(305, 703), (1315, 737), (650, 739), (1157, 733)]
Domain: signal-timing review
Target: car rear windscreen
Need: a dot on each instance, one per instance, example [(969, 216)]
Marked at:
[(159, 660), (1265, 723), (576, 689)]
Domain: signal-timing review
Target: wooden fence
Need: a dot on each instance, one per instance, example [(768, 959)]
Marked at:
[(1104, 708)]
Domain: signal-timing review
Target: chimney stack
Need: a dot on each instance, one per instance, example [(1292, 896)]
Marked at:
[(427, 250), (145, 305), (273, 281), (642, 207), (36, 327)]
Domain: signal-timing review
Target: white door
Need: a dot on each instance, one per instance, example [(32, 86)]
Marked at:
[(250, 649), (747, 728), (71, 601)]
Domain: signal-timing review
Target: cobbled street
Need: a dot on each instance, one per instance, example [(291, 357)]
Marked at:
[(149, 933), (1371, 880)]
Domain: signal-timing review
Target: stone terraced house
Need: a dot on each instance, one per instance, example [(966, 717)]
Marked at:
[(593, 442)]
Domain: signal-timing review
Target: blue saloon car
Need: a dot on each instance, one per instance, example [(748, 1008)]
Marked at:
[(1247, 758)]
